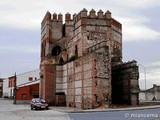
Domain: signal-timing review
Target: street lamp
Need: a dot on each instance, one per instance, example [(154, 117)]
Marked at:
[(15, 88), (144, 79)]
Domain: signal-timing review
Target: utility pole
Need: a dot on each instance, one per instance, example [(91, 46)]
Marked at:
[(15, 88)]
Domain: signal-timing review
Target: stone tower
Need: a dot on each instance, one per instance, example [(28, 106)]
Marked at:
[(77, 58)]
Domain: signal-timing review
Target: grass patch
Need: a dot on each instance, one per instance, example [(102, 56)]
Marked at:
[(149, 103)]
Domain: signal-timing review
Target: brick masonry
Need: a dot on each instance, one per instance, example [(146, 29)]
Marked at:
[(77, 59)]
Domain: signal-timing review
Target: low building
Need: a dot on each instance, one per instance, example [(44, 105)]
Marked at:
[(5, 88), (1, 87), (19, 80), (25, 92), (151, 94), (11, 84)]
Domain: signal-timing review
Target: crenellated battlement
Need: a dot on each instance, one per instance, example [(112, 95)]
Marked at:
[(81, 53), (92, 14), (125, 65), (53, 17), (116, 23)]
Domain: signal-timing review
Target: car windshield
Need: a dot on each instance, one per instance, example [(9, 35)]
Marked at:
[(39, 100)]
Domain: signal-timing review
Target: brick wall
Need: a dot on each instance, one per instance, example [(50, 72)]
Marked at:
[(85, 81), (76, 81), (48, 83), (27, 92), (94, 39)]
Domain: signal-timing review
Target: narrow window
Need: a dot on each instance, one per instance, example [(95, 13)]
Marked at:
[(61, 61), (63, 30), (76, 50), (30, 78), (56, 50)]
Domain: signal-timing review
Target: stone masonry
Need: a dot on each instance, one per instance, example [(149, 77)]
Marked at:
[(125, 83), (80, 59)]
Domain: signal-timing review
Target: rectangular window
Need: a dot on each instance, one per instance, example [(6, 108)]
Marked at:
[(12, 83), (30, 78), (24, 96), (9, 84)]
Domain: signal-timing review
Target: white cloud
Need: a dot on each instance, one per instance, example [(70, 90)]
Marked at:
[(157, 63), (137, 3), (134, 25), (29, 14), (136, 30), (151, 78), (23, 14), (152, 74), (154, 67), (20, 49)]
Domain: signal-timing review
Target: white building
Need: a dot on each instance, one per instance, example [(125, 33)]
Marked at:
[(8, 83), (28, 77), (152, 94), (5, 87)]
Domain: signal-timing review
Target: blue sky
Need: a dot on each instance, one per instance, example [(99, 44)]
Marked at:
[(20, 33)]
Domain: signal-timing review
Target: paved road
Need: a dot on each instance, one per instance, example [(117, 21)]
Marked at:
[(8, 111), (147, 114)]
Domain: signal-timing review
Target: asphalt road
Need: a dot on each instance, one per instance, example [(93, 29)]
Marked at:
[(147, 114), (9, 111)]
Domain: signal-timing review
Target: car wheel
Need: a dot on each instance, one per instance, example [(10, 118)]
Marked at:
[(46, 108), (31, 108)]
